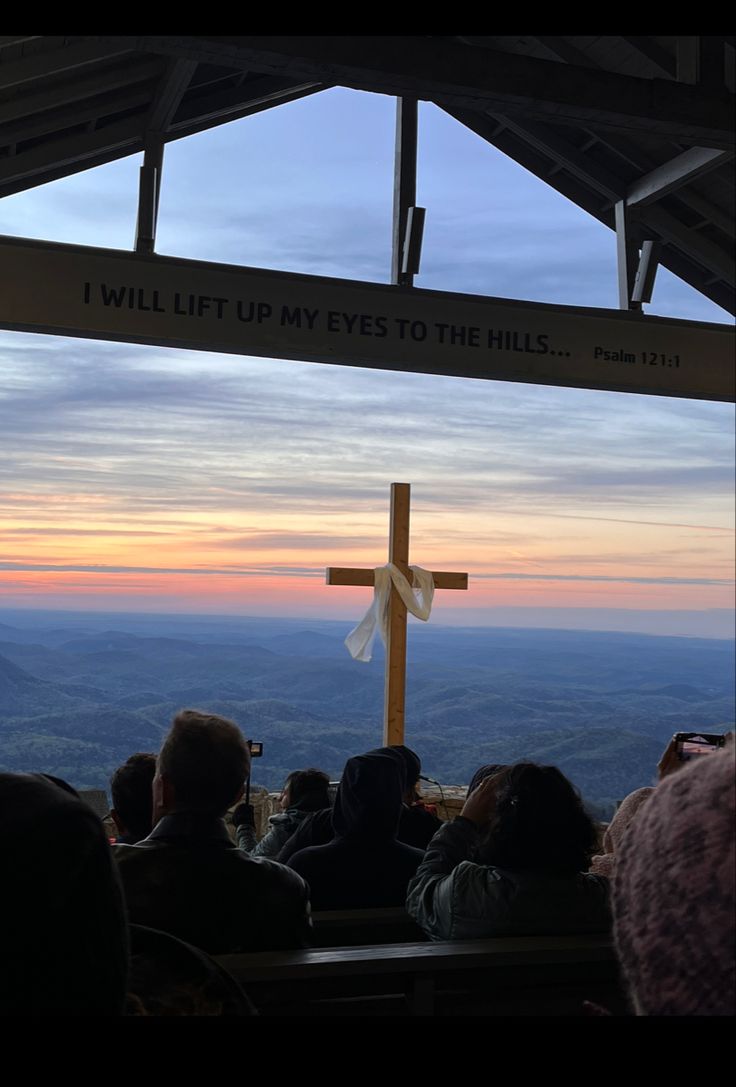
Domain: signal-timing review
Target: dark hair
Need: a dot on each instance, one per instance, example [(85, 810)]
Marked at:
[(483, 772), (308, 789), (63, 929), (539, 823), (206, 759), (131, 793)]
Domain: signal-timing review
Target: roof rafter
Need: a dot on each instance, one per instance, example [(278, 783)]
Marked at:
[(169, 94), (671, 175), (41, 65), (69, 154), (467, 77), (228, 104), (698, 248), (77, 90)]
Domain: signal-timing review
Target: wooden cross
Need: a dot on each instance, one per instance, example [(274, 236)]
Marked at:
[(398, 553)]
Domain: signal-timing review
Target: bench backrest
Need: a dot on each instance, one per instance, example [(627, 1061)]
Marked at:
[(525, 975), (347, 928)]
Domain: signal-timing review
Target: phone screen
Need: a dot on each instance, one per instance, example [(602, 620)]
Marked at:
[(696, 746)]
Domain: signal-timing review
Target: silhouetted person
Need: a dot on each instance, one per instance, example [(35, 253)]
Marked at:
[(364, 866), (62, 917), (512, 863), (132, 798), (416, 825), (187, 877), (304, 791)]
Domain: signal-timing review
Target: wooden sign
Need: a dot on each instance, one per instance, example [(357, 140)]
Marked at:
[(104, 294)]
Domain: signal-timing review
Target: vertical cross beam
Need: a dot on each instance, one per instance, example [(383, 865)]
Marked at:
[(395, 683), (398, 553)]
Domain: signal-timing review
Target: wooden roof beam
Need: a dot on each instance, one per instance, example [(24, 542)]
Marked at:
[(461, 76), (55, 61), (671, 175), (17, 39), (173, 87), (256, 95), (695, 246), (80, 88)]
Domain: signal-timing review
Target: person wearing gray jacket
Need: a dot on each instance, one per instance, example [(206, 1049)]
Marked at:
[(513, 863), (304, 791)]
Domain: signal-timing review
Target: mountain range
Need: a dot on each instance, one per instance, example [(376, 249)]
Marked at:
[(79, 692)]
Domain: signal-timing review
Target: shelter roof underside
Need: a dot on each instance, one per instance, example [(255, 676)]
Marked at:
[(647, 121)]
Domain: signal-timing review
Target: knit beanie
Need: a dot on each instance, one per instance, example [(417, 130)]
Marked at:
[(673, 896), (604, 864)]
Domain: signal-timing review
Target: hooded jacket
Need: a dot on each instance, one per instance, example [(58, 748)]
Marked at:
[(364, 865), (416, 826)]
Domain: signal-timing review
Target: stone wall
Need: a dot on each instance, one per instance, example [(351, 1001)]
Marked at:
[(449, 801)]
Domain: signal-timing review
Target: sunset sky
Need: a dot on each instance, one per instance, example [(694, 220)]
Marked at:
[(157, 480)]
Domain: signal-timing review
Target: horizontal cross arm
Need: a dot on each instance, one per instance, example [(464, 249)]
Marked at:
[(344, 575)]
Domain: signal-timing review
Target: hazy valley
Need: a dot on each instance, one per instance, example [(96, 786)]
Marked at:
[(80, 692)]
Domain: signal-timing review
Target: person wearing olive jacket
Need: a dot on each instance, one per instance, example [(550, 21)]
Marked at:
[(187, 877), (513, 863)]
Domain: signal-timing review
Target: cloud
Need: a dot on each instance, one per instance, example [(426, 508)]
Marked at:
[(263, 570), (297, 541), (164, 571), (513, 576), (25, 533)]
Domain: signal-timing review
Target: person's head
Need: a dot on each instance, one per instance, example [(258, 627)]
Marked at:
[(368, 801), (538, 823), (132, 797), (673, 896), (306, 790), (63, 929), (409, 766), (201, 767)]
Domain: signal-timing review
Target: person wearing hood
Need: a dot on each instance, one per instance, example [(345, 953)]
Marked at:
[(364, 866), (304, 792), (417, 826)]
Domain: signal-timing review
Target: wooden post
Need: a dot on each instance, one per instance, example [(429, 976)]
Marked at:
[(398, 553)]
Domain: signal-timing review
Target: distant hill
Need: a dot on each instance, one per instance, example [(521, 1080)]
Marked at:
[(77, 700)]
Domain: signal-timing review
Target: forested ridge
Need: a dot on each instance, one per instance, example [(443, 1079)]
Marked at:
[(77, 697)]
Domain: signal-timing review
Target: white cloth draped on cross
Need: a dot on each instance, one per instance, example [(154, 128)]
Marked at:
[(393, 597), (417, 597)]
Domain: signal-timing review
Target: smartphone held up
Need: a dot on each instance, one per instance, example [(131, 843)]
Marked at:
[(691, 745)]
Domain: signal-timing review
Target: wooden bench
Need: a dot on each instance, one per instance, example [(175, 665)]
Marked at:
[(348, 928), (520, 975)]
